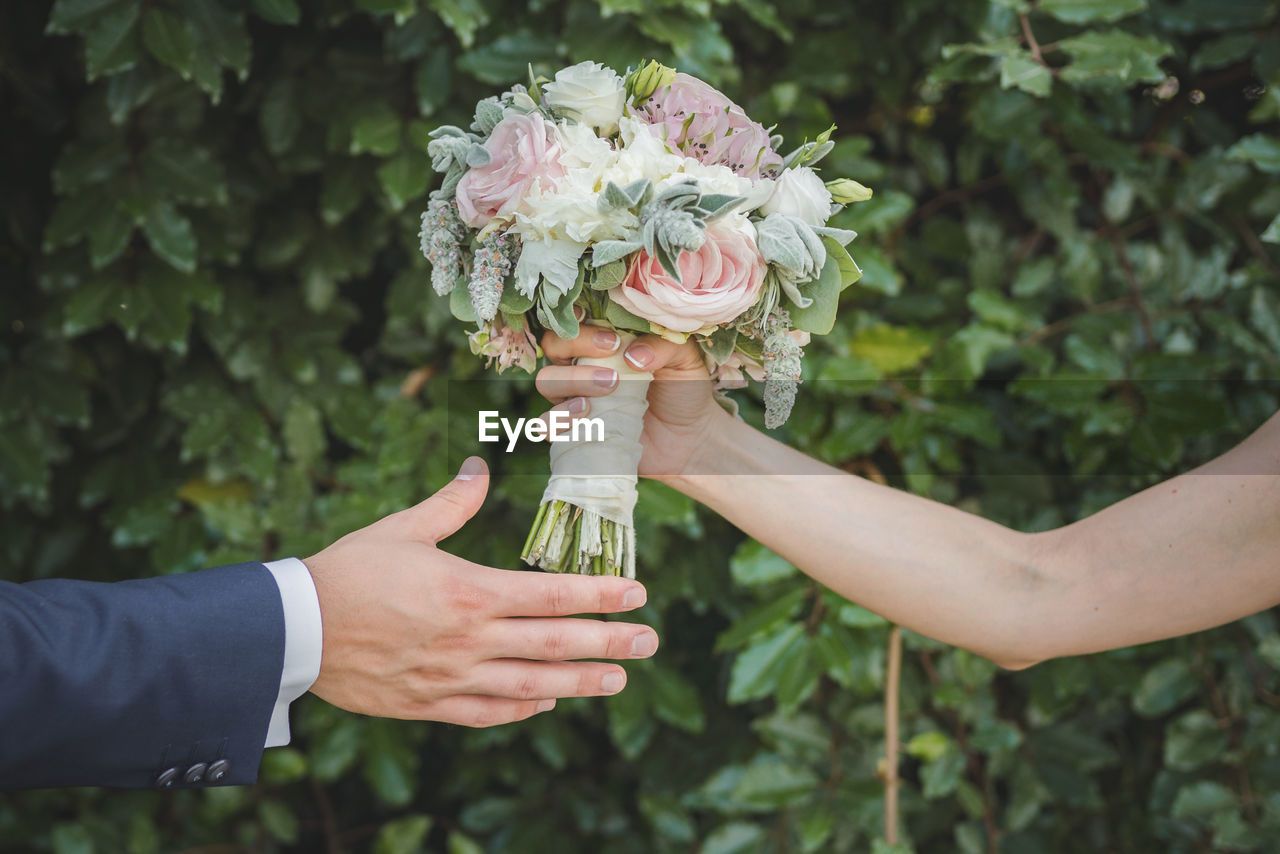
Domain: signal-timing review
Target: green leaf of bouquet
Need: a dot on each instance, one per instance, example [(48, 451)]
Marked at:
[(1114, 58), (850, 272), (820, 316), (171, 236), (169, 41), (1020, 70), (460, 303), (514, 302), (721, 344), (609, 276), (1260, 149), (892, 349), (1089, 11), (278, 11), (620, 318)]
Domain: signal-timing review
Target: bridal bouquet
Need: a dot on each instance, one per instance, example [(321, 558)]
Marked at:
[(648, 203)]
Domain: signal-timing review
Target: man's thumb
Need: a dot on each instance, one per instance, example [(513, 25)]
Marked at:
[(455, 503)]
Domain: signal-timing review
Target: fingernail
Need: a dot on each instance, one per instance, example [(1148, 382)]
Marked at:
[(633, 598), (612, 683), (639, 356), (605, 377), (644, 645), (607, 340), (577, 405), (470, 468), (545, 705)]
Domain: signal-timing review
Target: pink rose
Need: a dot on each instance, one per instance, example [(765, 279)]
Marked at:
[(717, 283), (702, 123), (523, 150)]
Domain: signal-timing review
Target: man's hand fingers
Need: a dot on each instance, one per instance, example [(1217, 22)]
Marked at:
[(455, 503), (591, 341), (481, 711), (567, 639), (652, 353), (532, 594), (545, 680), (558, 382)]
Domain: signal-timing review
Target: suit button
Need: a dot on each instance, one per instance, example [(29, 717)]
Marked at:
[(218, 770), (168, 778), (196, 772)]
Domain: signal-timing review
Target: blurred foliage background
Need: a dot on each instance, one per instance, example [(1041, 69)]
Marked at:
[(218, 344)]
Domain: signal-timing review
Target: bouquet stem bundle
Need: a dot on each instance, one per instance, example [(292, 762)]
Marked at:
[(584, 523)]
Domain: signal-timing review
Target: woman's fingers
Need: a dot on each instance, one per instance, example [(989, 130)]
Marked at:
[(568, 639), (518, 679), (654, 353), (592, 341), (560, 382), (557, 424)]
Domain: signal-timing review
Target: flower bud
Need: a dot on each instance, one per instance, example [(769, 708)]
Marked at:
[(846, 190), (647, 79)]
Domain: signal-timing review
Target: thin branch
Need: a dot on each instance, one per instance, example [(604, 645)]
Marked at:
[(1032, 44), (333, 845), (1255, 245), (1065, 323), (893, 682)]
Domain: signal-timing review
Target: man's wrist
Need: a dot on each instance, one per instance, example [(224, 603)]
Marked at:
[(304, 640)]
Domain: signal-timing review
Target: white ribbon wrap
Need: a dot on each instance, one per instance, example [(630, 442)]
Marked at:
[(600, 477)]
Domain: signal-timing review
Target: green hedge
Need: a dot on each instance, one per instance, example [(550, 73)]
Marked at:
[(218, 343)]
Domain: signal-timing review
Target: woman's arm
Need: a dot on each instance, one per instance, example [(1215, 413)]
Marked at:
[(1194, 552), (1191, 553)]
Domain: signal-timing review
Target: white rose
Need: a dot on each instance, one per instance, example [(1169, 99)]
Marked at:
[(800, 193), (590, 93)]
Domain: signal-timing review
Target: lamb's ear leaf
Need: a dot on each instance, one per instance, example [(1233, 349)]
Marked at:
[(560, 318), (669, 262), (608, 251), (719, 204), (615, 198), (638, 191)]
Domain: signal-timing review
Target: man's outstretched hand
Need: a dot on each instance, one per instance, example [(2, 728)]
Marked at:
[(414, 632)]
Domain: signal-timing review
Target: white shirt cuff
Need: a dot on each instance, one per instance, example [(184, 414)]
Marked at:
[(303, 641)]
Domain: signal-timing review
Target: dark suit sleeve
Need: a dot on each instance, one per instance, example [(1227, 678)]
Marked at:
[(167, 681)]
